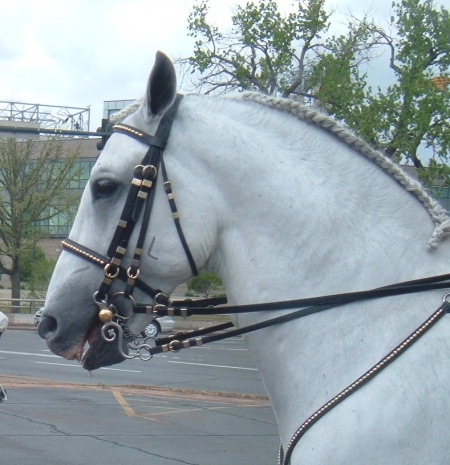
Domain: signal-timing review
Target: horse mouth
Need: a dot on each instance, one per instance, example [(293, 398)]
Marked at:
[(101, 353), (91, 350)]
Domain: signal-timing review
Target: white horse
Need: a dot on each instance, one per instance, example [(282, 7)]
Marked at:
[(282, 203)]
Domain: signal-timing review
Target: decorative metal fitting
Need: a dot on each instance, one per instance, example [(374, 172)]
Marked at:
[(111, 274), (148, 168), (162, 299), (159, 307), (105, 315), (172, 345), (131, 275), (138, 169)]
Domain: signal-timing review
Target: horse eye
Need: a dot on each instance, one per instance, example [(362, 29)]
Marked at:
[(104, 188)]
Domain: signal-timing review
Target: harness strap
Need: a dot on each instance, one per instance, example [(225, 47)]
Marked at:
[(185, 308), (176, 218), (215, 306), (100, 260), (284, 458), (141, 195)]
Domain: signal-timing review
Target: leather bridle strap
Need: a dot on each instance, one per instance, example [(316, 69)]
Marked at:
[(141, 195), (311, 305), (100, 260), (284, 457), (176, 218), (140, 198)]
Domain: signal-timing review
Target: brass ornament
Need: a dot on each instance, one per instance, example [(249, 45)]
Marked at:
[(105, 315)]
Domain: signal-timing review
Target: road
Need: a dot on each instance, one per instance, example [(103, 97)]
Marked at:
[(223, 366), (160, 412)]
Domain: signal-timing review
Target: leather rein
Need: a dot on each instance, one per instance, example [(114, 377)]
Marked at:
[(139, 204)]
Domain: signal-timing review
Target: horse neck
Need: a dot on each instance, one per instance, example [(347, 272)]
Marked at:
[(312, 217), (302, 206)]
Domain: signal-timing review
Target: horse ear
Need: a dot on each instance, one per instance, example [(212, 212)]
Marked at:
[(161, 87)]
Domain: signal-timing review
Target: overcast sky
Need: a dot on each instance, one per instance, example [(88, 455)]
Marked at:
[(79, 53)]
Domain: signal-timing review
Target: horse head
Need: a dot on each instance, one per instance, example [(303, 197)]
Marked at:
[(77, 290)]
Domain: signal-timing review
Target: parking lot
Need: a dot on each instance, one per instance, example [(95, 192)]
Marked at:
[(75, 425), (206, 409)]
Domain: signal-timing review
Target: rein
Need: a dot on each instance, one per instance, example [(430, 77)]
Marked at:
[(139, 204)]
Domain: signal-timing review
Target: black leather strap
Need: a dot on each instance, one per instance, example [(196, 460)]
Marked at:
[(176, 218), (101, 261)]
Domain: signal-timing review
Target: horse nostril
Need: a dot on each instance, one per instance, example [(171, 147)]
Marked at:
[(47, 327)]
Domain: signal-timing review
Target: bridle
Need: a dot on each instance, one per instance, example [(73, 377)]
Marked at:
[(138, 204)]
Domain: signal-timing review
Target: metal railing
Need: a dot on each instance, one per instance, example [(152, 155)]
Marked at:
[(25, 306)]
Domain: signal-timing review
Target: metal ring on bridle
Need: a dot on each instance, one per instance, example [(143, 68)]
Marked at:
[(99, 301), (122, 294), (131, 275), (162, 299), (138, 169), (146, 168), (108, 273), (172, 345), (148, 354)]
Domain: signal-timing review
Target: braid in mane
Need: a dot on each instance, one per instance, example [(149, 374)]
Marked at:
[(437, 212), (122, 114)]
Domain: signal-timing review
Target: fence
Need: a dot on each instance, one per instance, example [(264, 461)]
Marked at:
[(24, 306)]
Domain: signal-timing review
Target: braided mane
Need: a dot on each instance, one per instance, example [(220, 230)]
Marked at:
[(437, 213)]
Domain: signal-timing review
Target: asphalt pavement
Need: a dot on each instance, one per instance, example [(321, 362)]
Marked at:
[(67, 423)]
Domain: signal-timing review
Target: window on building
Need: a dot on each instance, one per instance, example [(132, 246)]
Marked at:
[(57, 224), (442, 194), (83, 170)]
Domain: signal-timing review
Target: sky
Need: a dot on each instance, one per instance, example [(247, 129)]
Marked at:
[(80, 53)]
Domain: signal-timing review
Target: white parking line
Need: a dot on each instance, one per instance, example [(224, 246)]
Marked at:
[(79, 366), (214, 366), (28, 353)]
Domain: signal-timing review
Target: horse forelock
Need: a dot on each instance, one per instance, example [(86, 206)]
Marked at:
[(309, 115)]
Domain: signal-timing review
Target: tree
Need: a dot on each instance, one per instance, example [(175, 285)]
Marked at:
[(36, 270), (204, 283), (264, 51), (411, 117), (296, 56), (34, 176)]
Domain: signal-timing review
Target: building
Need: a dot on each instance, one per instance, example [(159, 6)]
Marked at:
[(110, 107), (71, 124)]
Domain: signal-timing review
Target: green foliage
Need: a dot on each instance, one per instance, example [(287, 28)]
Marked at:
[(294, 55), (205, 283), (258, 53), (34, 176), (36, 270)]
